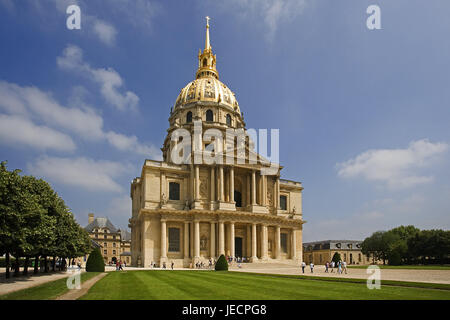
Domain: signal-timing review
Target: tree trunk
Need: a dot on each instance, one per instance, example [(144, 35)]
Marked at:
[(7, 275), (25, 266), (54, 264), (17, 269), (45, 265), (36, 264)]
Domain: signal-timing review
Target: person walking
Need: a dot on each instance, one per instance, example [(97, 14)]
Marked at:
[(326, 267), (164, 265), (344, 265), (312, 267), (332, 267), (339, 267), (171, 265), (303, 266), (120, 265)]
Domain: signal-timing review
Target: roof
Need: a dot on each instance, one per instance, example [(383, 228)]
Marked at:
[(101, 223), (125, 235), (334, 244), (95, 244)]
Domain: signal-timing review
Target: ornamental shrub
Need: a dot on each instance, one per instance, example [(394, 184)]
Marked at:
[(95, 262), (221, 264)]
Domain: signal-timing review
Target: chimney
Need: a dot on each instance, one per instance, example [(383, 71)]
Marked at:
[(91, 218)]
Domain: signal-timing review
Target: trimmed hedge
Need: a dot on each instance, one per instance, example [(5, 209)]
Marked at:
[(221, 264), (95, 262)]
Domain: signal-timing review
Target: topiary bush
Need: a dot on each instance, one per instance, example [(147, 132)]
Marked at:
[(95, 262), (336, 257), (221, 264)]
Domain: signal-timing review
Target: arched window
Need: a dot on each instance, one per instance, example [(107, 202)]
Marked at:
[(189, 117), (174, 191), (209, 116), (205, 62), (228, 120)]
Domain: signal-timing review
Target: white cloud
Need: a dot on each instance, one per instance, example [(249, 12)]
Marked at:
[(16, 130), (32, 103), (271, 12), (105, 31), (397, 168), (109, 80), (80, 172)]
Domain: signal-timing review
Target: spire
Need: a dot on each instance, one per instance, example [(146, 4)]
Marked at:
[(207, 44), (206, 59)]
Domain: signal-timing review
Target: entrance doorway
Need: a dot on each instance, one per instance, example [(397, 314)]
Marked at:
[(238, 247)]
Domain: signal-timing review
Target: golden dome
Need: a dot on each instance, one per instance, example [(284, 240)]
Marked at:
[(207, 89), (206, 86)]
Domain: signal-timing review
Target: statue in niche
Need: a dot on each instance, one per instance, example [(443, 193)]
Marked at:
[(203, 243)]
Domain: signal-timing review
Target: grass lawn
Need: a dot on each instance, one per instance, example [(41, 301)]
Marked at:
[(211, 285), (46, 291), (416, 267)]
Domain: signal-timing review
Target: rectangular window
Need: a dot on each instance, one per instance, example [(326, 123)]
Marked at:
[(174, 240), (174, 191), (105, 251), (114, 251), (284, 242), (283, 202)]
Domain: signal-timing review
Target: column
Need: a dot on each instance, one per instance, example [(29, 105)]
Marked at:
[(253, 187), (221, 238), (278, 192), (231, 184), (264, 241), (197, 183), (212, 251), (248, 190), (191, 239), (196, 239), (163, 239), (294, 245), (254, 244), (264, 190), (232, 253), (186, 239), (248, 251), (278, 242), (221, 198), (163, 186), (213, 184)]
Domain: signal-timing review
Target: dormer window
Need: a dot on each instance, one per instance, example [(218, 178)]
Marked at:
[(209, 116), (189, 117), (228, 120)]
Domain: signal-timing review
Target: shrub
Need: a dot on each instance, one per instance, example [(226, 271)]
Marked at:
[(221, 264), (336, 257), (95, 262)]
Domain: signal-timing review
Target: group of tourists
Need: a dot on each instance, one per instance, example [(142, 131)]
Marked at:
[(341, 267), (119, 265)]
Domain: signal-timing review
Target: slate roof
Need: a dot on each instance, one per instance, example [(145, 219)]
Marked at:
[(101, 223), (125, 235)]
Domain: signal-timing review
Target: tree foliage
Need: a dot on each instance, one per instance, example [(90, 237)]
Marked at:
[(95, 262), (336, 257), (221, 264), (34, 220), (407, 245)]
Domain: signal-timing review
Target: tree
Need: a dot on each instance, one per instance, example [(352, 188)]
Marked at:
[(95, 262), (336, 257), (221, 264)]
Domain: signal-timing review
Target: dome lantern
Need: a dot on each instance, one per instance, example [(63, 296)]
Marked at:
[(206, 59)]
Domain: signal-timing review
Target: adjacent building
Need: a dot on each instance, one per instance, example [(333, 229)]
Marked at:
[(320, 252), (114, 244)]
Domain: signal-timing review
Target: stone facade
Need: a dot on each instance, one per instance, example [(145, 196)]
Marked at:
[(320, 252), (114, 244), (192, 211)]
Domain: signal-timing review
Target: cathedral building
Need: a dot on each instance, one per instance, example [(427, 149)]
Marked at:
[(191, 211)]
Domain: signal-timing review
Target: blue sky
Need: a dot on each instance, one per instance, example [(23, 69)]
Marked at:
[(363, 114)]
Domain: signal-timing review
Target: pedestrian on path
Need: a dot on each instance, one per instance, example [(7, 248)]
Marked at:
[(332, 267), (312, 267), (303, 266), (171, 265), (344, 265), (326, 267)]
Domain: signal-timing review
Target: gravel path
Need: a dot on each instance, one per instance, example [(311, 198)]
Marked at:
[(431, 276)]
